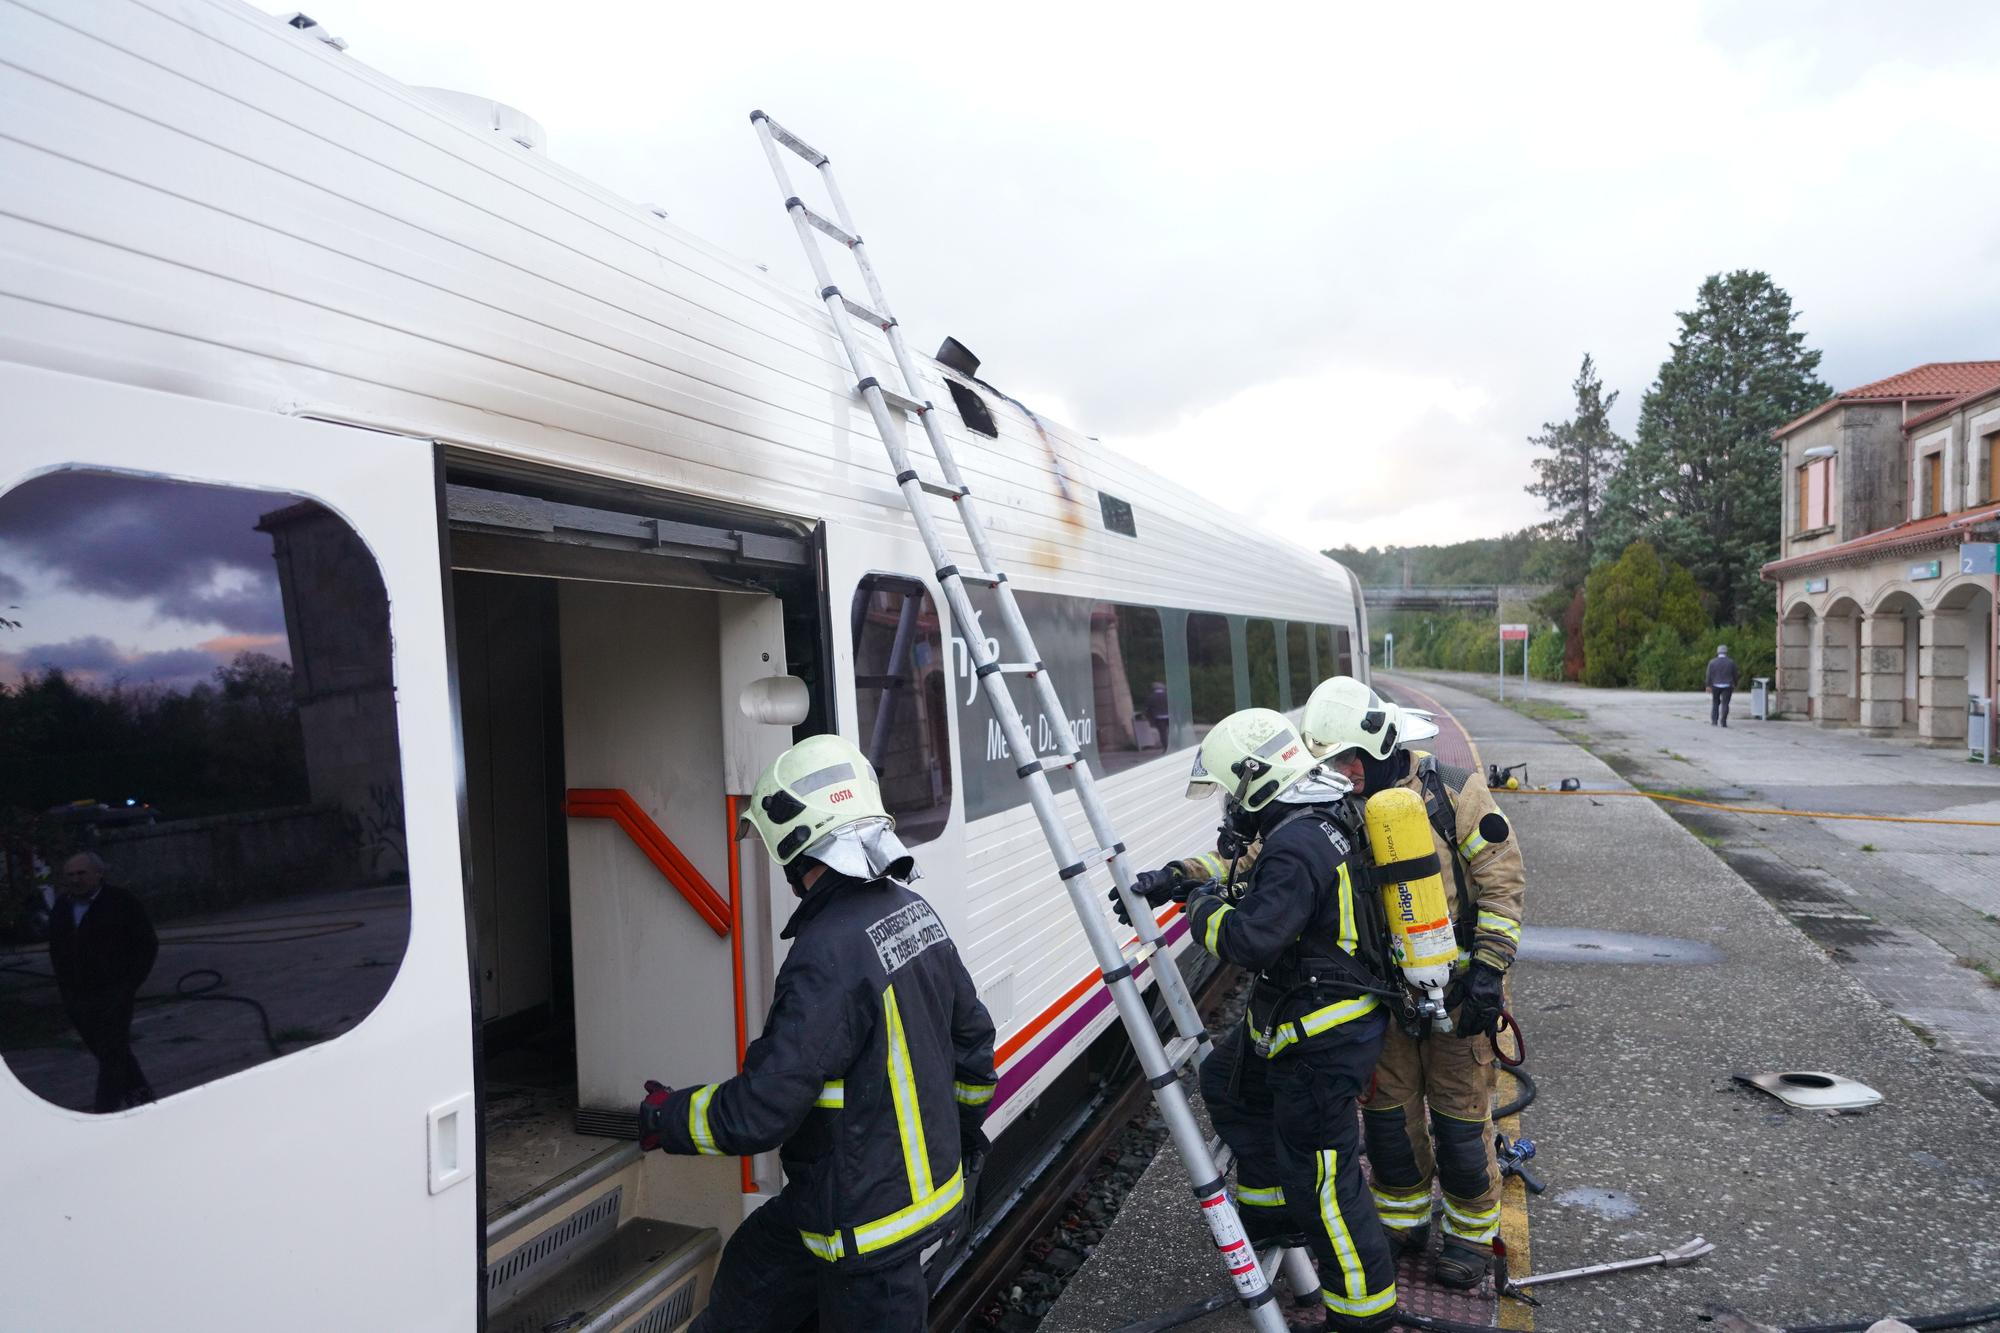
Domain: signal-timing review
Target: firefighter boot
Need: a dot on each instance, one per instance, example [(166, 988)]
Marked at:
[(1410, 1240), (1462, 1264)]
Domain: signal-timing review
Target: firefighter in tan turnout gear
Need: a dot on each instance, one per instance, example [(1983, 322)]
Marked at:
[(1367, 739)]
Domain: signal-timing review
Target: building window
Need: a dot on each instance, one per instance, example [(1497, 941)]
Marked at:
[(900, 698), (1932, 465), (1298, 663), (1260, 640), (1211, 671), (201, 803), (1128, 680), (1815, 501), (1992, 456)]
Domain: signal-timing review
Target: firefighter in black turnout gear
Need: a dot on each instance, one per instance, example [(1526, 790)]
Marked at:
[(871, 1077), (1282, 1089)]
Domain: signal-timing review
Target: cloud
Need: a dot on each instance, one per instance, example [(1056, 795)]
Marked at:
[(11, 589), (192, 553), (95, 660), (228, 646)]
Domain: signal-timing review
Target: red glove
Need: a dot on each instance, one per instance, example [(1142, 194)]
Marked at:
[(653, 1115)]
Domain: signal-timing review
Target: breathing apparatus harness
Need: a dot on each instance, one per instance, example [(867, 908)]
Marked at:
[(1317, 968)]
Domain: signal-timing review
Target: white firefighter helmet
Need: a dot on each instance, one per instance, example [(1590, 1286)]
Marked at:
[(821, 799), (1346, 714), (1254, 755)]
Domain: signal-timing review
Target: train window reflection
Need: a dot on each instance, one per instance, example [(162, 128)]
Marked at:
[(1343, 653), (1211, 670), (1261, 641), (1323, 650), (201, 809), (1128, 680), (1298, 664), (900, 701)]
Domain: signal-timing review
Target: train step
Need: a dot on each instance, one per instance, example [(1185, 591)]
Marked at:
[(643, 1277)]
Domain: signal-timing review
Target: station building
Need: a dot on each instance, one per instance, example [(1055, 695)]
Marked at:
[(1877, 627)]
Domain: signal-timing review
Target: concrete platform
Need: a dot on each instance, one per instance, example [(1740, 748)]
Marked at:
[(1644, 1140)]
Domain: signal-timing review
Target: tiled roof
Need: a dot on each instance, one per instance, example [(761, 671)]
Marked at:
[(1945, 409), (1926, 383), (1939, 379), (1938, 529)]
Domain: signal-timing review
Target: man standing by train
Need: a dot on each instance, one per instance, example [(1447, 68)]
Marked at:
[(1282, 1089), (871, 1077), (1366, 739)]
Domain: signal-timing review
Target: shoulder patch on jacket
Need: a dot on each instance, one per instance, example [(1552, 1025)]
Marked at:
[(905, 933)]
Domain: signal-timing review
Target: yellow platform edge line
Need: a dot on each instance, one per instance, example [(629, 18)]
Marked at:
[(1513, 1194)]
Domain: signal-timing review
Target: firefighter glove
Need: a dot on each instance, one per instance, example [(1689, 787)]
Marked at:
[(653, 1114), (1484, 998), (1165, 885)]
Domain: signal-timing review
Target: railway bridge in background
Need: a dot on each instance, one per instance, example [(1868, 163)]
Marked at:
[(1452, 597)]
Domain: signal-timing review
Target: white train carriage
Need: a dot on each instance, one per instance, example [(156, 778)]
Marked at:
[(417, 552)]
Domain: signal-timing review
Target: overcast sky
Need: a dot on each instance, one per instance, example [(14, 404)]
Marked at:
[(1330, 264)]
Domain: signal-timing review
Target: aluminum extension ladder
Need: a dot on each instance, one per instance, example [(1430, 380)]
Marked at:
[(891, 411)]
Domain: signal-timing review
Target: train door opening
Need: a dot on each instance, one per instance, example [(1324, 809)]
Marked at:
[(602, 659)]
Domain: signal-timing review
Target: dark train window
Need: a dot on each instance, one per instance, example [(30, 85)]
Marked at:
[(972, 409), (1343, 652), (1323, 652), (1260, 640), (1211, 671), (201, 803), (1117, 514), (900, 698), (1298, 664), (1128, 680)]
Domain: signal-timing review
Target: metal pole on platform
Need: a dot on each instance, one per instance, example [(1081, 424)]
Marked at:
[(1503, 662)]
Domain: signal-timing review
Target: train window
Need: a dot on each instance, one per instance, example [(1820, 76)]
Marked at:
[(972, 409), (1323, 652), (1211, 671), (1128, 679), (1260, 641), (201, 809), (900, 700), (1117, 514), (1298, 664), (1343, 652)]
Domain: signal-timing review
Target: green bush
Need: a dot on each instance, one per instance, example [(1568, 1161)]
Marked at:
[(1639, 605), (1545, 654), (1666, 661)]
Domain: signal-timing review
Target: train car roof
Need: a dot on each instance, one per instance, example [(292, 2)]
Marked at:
[(208, 201)]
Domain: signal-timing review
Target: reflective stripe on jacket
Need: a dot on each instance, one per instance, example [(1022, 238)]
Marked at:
[(1301, 901), (872, 1075)]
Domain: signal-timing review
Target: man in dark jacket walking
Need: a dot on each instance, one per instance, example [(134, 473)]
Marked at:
[(102, 946), (872, 1075), (1721, 684)]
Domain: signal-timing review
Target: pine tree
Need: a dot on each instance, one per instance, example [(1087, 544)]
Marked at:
[(1700, 480), (1584, 452)]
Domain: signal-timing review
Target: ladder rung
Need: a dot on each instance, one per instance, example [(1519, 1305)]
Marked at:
[(1048, 764), (863, 313), (1140, 953), (948, 492), (831, 228), (978, 576), (792, 141), (894, 399), (1019, 668), (1181, 1050)]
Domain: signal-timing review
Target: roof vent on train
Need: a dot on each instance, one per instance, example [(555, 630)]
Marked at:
[(972, 409), (483, 113), (308, 25)]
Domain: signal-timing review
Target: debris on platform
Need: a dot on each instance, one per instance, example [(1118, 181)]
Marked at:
[(1813, 1090)]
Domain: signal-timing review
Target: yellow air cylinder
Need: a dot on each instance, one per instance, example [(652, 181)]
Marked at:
[(1413, 895)]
